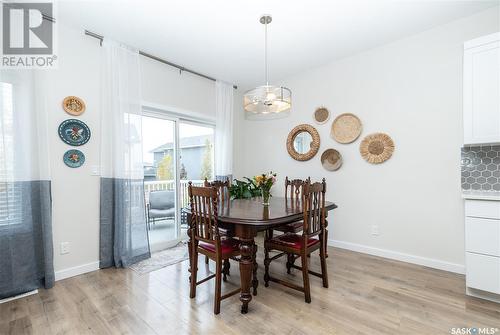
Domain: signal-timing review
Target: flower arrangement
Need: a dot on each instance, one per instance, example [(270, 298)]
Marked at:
[(264, 182)]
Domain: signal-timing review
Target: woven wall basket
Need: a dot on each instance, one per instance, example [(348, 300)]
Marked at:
[(376, 148), (73, 105), (346, 128), (321, 115), (331, 160)]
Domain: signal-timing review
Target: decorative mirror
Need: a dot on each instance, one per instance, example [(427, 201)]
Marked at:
[(303, 142)]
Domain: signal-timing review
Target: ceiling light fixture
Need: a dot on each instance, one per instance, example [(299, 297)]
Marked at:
[(267, 101)]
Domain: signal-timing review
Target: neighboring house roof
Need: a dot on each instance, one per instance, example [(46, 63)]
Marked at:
[(186, 142)]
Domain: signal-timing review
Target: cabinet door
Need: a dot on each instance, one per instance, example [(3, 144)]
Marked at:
[(483, 272), (482, 236), (482, 94)]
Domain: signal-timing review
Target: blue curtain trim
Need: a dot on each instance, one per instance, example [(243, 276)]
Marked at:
[(26, 246), (123, 230)]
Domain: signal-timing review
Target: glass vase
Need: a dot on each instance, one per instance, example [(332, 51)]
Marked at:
[(266, 194)]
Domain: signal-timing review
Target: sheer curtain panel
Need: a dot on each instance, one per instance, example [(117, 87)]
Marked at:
[(223, 130), (123, 233), (26, 251)]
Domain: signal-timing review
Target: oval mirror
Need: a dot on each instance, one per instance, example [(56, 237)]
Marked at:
[(303, 142)]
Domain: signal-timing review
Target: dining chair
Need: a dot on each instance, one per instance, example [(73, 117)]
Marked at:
[(222, 190), (293, 196), (313, 238), (224, 197), (206, 240)]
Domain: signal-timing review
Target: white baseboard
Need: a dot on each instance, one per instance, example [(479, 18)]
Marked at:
[(77, 270), (399, 256)]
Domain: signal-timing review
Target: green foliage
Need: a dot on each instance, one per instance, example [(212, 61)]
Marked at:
[(165, 170), (244, 189), (206, 167), (183, 172)]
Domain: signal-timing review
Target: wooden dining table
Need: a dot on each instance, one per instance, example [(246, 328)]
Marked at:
[(244, 218)]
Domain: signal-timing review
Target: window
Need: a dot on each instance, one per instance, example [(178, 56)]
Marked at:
[(10, 197)]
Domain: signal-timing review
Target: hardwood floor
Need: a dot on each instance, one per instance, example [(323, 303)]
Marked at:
[(367, 295)]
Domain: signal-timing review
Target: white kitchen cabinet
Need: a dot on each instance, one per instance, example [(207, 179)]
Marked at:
[(481, 90), (482, 248), (483, 272)]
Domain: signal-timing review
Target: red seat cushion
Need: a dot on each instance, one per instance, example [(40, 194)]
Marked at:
[(293, 240), (227, 246), (291, 227)]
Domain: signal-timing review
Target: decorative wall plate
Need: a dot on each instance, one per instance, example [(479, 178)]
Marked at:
[(346, 128), (376, 148), (73, 105), (74, 158), (331, 159), (321, 115), (74, 132)]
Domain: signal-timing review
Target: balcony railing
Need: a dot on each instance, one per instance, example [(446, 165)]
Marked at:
[(169, 185)]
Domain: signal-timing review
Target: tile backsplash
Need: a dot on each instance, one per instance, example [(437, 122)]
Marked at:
[(481, 168)]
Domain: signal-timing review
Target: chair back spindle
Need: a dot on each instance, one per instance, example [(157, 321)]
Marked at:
[(222, 190), (293, 189), (204, 213), (314, 208)]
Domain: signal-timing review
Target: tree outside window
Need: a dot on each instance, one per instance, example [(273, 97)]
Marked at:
[(165, 170), (206, 167)]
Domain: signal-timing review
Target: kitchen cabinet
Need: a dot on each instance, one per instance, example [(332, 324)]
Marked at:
[(481, 90), (482, 248)]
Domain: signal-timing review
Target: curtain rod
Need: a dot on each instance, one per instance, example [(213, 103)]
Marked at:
[(158, 59)]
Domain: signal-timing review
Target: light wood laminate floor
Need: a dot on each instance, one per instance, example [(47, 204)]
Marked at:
[(367, 295)]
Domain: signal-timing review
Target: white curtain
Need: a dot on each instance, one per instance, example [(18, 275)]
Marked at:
[(124, 236), (26, 251), (223, 130)]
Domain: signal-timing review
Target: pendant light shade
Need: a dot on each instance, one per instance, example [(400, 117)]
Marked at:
[(267, 102)]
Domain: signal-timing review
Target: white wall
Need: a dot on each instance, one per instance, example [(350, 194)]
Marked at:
[(410, 89), (75, 192)]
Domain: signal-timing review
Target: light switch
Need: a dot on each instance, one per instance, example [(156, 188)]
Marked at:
[(95, 170)]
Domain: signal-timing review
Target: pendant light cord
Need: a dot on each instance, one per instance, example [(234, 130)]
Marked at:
[(265, 51)]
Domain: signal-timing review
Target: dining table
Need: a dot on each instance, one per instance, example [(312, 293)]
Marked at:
[(243, 219)]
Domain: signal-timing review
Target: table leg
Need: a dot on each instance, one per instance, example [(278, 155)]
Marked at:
[(246, 266), (255, 281)]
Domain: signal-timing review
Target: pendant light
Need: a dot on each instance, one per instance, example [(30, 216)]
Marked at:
[(267, 101)]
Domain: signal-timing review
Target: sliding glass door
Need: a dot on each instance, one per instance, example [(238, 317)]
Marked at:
[(175, 152)]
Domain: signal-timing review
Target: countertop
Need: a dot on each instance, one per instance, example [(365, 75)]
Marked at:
[(481, 195)]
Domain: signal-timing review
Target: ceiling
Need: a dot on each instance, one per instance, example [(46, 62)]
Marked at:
[(223, 38)]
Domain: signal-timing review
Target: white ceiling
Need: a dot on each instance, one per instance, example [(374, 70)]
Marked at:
[(223, 38)]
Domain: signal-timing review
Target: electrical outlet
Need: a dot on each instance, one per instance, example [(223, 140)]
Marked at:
[(64, 248), (375, 230)]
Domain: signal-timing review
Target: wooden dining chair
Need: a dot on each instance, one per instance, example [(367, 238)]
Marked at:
[(224, 197), (293, 196), (206, 240), (222, 190), (313, 238)]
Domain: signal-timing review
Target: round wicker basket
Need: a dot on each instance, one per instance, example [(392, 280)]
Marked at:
[(321, 115), (331, 160), (346, 128), (377, 148)]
